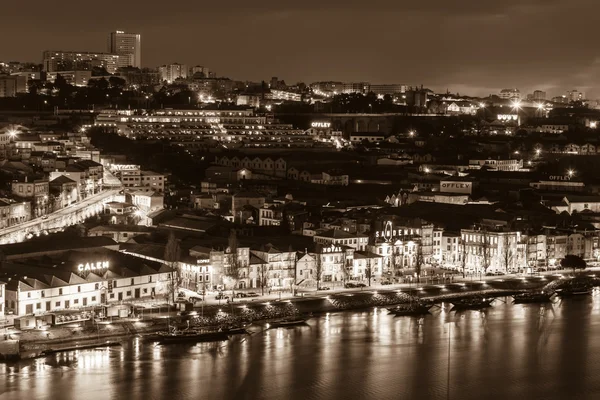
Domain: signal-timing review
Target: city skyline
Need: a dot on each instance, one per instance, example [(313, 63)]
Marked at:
[(474, 48)]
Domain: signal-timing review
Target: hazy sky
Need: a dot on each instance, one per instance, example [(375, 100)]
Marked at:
[(470, 46)]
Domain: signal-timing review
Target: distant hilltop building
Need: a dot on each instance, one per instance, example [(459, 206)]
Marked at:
[(575, 95), (539, 95), (199, 69), (333, 88), (128, 46), (509, 94), (58, 60), (171, 72)]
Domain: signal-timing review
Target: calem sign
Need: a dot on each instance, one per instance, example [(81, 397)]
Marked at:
[(93, 266)]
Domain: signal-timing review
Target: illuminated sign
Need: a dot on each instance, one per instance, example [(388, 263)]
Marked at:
[(195, 268), (388, 232), (93, 266), (332, 249), (560, 178), (508, 117), (321, 124), (124, 167), (213, 120), (456, 187)]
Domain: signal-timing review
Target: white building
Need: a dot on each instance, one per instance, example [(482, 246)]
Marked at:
[(510, 94), (78, 279), (128, 46), (341, 238), (170, 72)]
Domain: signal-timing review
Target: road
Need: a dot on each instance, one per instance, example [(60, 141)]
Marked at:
[(14, 232), (458, 285)]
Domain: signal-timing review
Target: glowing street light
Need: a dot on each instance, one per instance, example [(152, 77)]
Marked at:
[(538, 152), (593, 124), (570, 172), (411, 133)]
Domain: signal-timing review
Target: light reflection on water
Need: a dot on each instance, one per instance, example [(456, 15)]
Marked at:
[(507, 352)]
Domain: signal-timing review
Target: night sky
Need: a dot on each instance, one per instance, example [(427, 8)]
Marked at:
[(470, 46)]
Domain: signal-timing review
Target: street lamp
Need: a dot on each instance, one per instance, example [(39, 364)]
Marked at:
[(570, 172)]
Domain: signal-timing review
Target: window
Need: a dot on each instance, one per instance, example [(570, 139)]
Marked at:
[(78, 289), (145, 291), (93, 298), (96, 286), (43, 293), (150, 279), (76, 301), (112, 295), (114, 284), (28, 295), (132, 281), (57, 304), (129, 293), (38, 306)]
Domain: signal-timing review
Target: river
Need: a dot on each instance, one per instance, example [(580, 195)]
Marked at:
[(505, 352)]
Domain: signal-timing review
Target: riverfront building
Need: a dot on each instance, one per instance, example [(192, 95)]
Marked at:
[(46, 280)]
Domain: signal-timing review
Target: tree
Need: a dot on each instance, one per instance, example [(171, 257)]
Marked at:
[(485, 252), (463, 256), (293, 267), (419, 262), (232, 270), (262, 277), (507, 253), (396, 261), (172, 253), (573, 261), (318, 268), (368, 272), (116, 82), (344, 261)]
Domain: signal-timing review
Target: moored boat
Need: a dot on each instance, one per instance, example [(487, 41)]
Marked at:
[(471, 303), (532, 297), (192, 336), (286, 323), (236, 331), (408, 309), (574, 291)]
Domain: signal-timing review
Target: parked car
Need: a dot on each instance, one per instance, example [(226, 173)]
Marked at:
[(221, 296), (252, 294), (386, 283), (323, 288), (350, 285), (361, 285), (188, 295), (240, 295), (188, 314)]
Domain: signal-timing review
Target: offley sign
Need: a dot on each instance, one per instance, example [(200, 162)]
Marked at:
[(321, 125), (559, 177), (93, 266), (456, 187)]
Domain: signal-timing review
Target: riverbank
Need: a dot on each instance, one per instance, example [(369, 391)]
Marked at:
[(35, 343)]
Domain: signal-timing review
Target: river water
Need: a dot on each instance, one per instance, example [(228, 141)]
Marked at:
[(505, 352)]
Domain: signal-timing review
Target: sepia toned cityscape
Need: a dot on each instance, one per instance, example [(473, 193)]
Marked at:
[(176, 229)]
